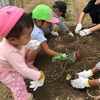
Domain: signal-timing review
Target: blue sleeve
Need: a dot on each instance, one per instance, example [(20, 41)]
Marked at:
[(40, 37), (61, 24)]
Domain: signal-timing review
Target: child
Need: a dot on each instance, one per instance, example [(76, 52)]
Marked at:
[(83, 78), (94, 12), (59, 11), (42, 17), (16, 28)]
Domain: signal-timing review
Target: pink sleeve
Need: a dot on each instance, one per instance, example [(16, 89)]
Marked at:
[(18, 63)]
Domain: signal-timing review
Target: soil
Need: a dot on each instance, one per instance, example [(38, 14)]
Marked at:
[(56, 87)]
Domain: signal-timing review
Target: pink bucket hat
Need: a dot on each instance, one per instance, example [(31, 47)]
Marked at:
[(9, 15)]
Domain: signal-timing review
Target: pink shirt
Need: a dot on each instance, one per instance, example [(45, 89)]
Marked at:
[(12, 59)]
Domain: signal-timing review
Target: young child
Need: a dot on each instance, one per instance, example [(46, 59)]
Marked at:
[(94, 12), (59, 10), (15, 29), (42, 17), (83, 78)]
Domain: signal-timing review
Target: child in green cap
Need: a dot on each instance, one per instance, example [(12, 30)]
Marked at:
[(42, 17)]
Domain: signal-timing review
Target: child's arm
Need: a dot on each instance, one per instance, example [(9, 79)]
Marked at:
[(63, 27), (17, 61), (47, 50)]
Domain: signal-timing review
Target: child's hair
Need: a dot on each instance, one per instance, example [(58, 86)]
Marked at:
[(13, 19), (61, 5), (24, 22)]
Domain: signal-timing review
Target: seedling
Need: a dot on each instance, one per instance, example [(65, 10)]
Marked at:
[(60, 57), (63, 61)]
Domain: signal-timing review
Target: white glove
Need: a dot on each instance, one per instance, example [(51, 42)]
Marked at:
[(84, 32), (32, 44), (38, 83), (80, 83), (78, 28), (71, 34), (54, 33), (85, 73)]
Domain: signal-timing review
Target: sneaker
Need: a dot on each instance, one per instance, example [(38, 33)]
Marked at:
[(30, 96)]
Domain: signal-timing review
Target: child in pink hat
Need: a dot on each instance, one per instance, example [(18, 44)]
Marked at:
[(15, 28)]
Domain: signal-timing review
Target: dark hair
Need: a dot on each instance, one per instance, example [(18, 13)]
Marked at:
[(40, 20), (61, 5), (24, 22)]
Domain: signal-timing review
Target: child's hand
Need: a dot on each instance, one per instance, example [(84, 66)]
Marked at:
[(80, 83), (78, 28), (84, 32), (32, 44), (39, 83), (54, 33), (85, 73)]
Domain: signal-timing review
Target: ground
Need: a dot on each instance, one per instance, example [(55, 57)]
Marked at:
[(60, 89)]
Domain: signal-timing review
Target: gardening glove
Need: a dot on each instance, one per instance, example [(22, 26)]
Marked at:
[(78, 28), (38, 83), (71, 34), (85, 73), (32, 44), (54, 33), (80, 83), (84, 32)]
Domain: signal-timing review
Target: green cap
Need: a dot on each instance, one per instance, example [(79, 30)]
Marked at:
[(44, 12)]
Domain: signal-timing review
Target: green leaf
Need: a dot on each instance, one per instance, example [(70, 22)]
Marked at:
[(57, 57), (71, 57), (68, 77)]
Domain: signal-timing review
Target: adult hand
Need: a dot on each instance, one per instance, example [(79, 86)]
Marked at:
[(85, 73), (32, 44), (97, 2), (80, 83), (84, 32), (39, 83), (78, 28)]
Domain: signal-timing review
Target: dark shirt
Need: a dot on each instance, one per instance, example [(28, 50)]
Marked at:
[(91, 6)]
